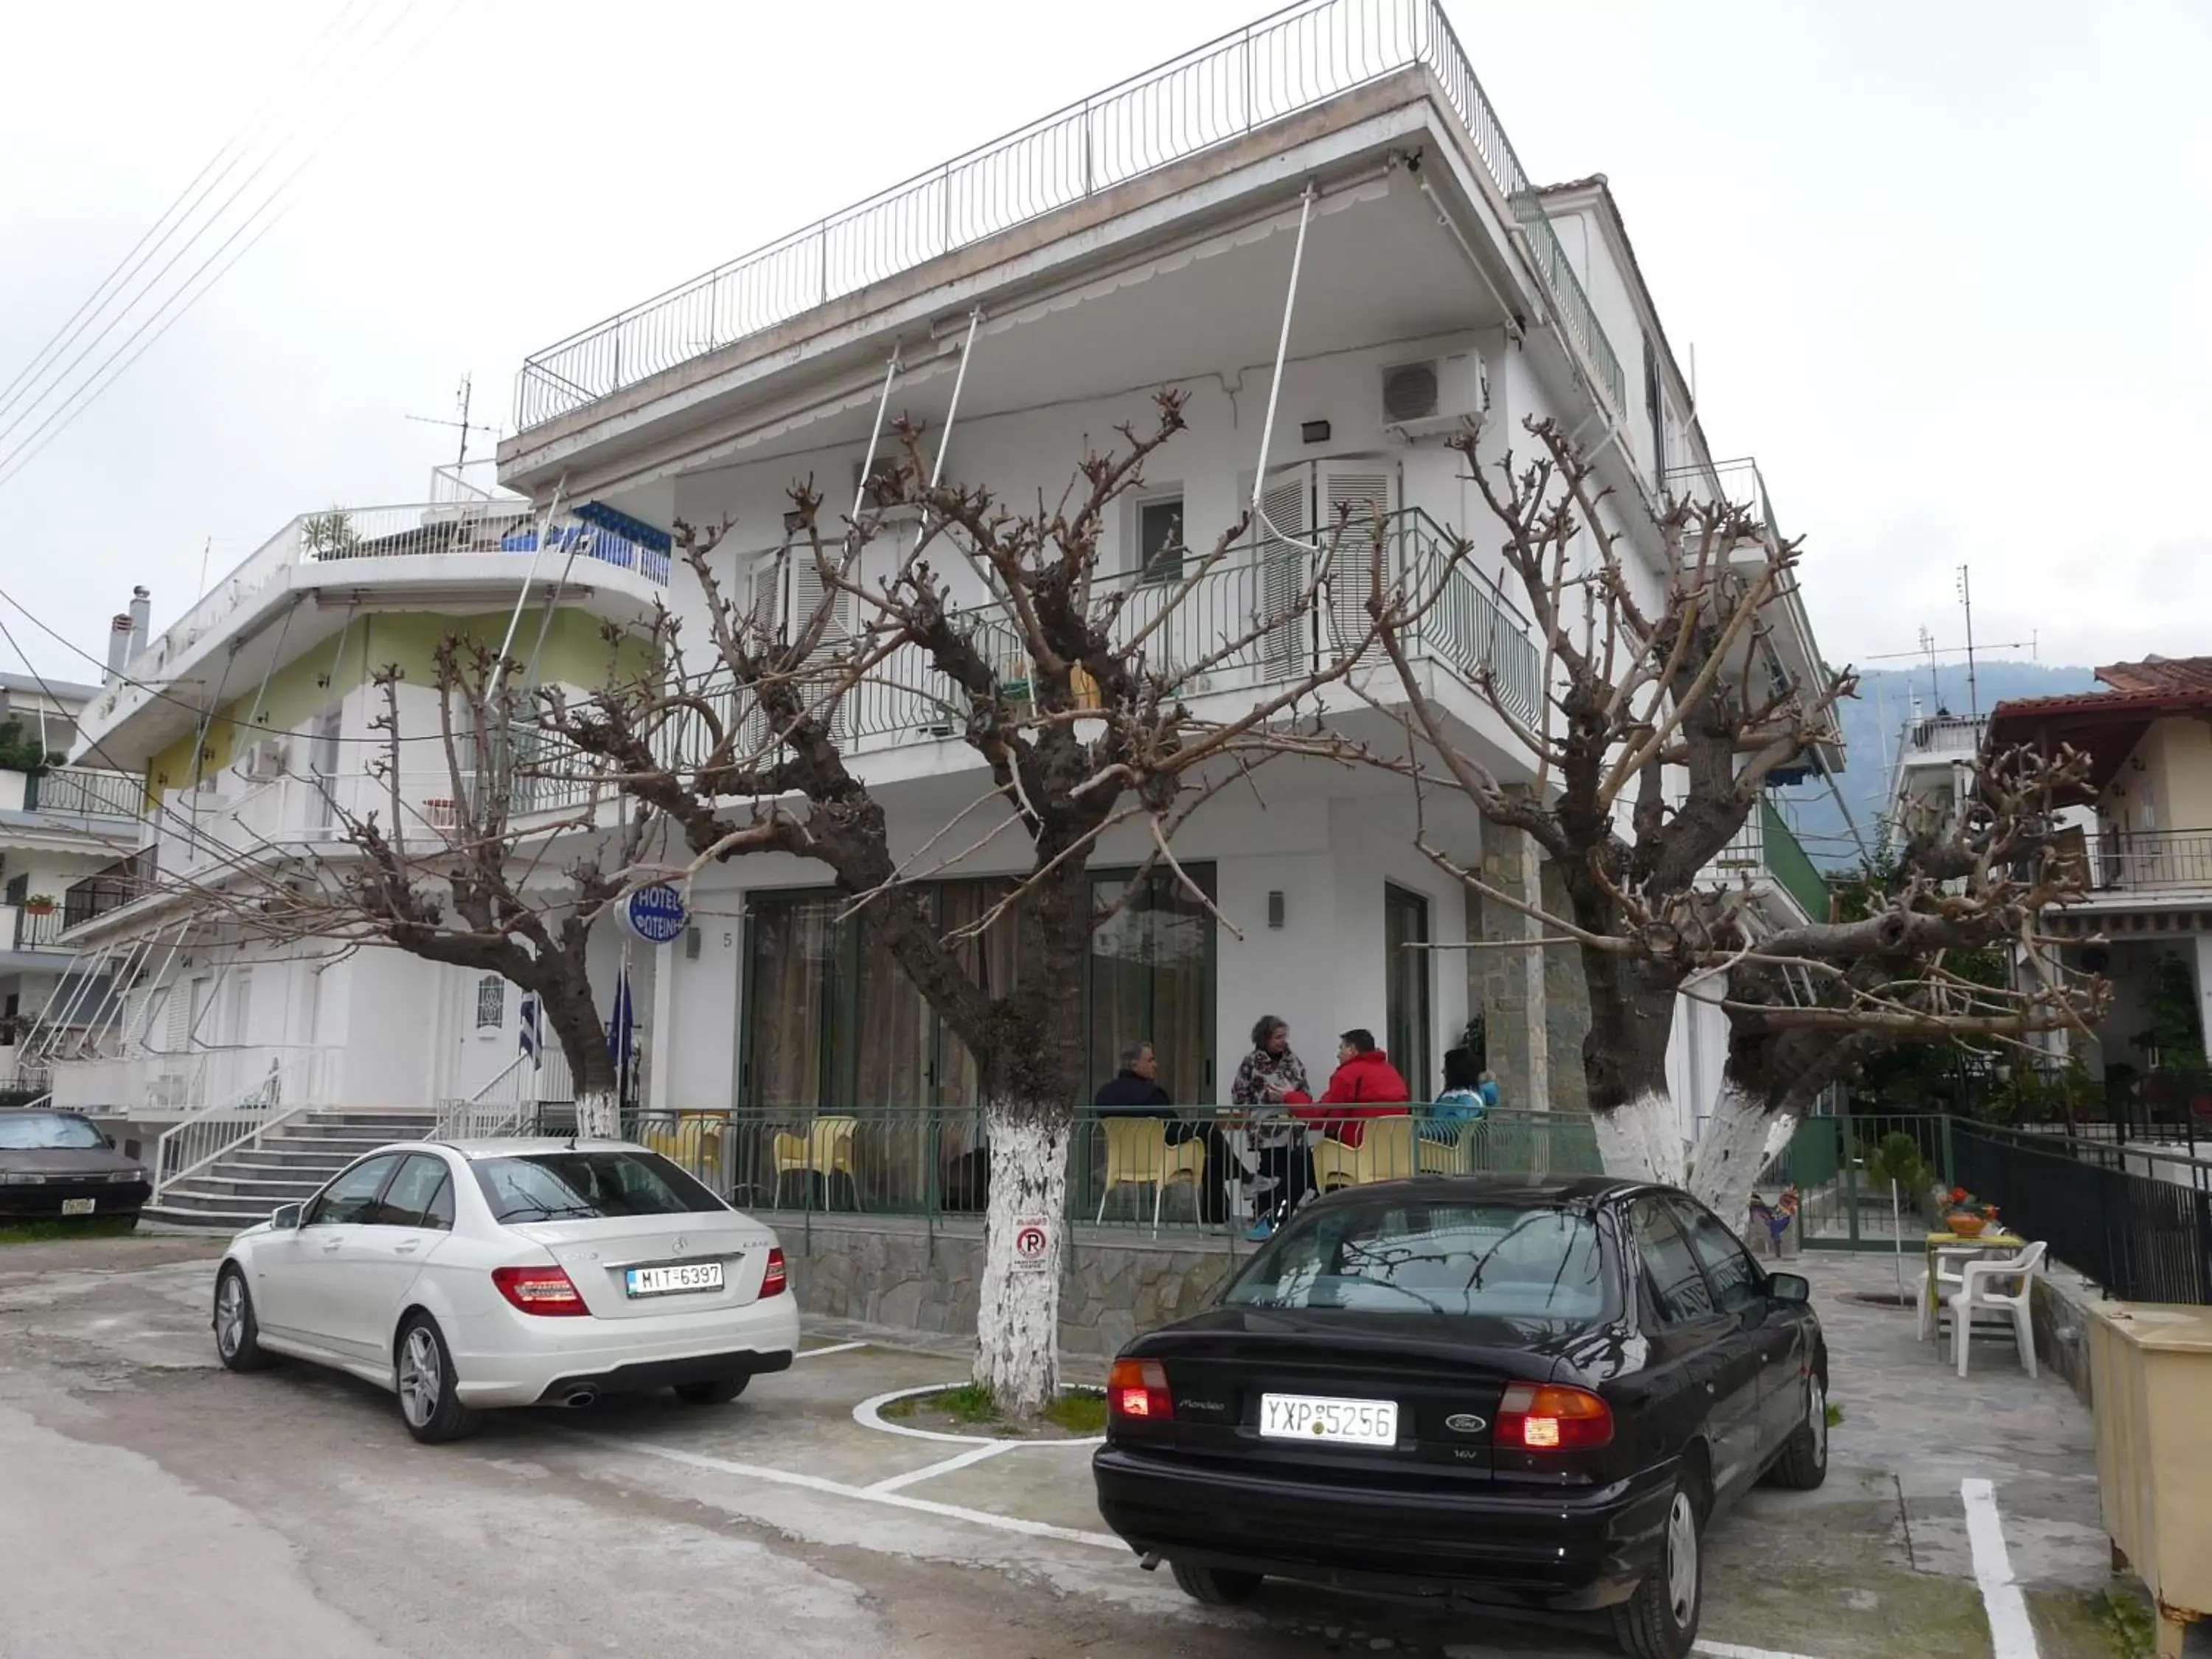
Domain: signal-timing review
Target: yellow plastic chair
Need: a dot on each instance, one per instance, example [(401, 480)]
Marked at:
[(1138, 1155), (1388, 1151), (826, 1149)]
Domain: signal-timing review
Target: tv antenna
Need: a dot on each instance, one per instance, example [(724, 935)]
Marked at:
[(1974, 690), (461, 400)]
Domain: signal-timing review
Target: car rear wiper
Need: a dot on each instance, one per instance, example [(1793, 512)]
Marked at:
[(546, 1211)]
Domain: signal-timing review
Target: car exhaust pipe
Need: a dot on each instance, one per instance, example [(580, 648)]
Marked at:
[(577, 1398), (1150, 1560)]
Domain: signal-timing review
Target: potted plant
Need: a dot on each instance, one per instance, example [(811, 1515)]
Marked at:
[(40, 904), (1967, 1215)]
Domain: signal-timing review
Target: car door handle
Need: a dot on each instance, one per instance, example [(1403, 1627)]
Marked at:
[(330, 1244), (407, 1247)]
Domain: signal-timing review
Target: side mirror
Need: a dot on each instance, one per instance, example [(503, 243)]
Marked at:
[(1789, 1287), (110, 1139), (285, 1218)]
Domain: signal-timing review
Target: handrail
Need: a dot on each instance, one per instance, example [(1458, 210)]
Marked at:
[(1272, 69), (194, 1142), (465, 1119)]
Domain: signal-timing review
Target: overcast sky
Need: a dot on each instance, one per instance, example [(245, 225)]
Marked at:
[(1944, 267)]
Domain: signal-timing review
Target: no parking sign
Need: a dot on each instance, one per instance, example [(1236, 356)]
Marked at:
[(1031, 1242)]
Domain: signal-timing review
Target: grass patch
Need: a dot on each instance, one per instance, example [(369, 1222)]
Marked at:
[(1078, 1414), (2128, 1623), (39, 1232), (1077, 1411), (1835, 1414)]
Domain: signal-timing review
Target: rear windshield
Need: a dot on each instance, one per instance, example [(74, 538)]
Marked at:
[(42, 1132), (575, 1186), (1500, 1260)]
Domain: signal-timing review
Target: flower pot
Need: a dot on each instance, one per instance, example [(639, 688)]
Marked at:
[(1966, 1226)]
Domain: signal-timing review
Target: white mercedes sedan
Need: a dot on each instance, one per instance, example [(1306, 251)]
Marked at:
[(511, 1273)]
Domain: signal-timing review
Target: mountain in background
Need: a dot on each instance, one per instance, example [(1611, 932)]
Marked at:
[(1871, 724)]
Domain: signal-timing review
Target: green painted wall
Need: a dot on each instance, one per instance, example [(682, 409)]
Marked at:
[(575, 655)]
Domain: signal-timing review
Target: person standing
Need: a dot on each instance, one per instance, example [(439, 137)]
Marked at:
[(1269, 1083)]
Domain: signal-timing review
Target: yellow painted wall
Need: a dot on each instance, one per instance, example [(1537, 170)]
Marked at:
[(575, 654)]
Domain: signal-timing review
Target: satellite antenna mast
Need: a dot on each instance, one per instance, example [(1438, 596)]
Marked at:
[(1934, 679), (461, 399), (1973, 690)]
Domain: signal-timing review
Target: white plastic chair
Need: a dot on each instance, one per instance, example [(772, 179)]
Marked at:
[(1949, 1277), (1981, 1294)]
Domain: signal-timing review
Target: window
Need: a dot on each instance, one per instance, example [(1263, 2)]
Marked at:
[(18, 888), (1737, 1282), (420, 1195), (1495, 1258), (565, 1186), (351, 1198), (1677, 1289), (1406, 1026), (491, 1004), (1160, 538)]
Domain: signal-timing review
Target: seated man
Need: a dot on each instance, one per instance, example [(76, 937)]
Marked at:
[(1134, 1091), (1365, 1085)]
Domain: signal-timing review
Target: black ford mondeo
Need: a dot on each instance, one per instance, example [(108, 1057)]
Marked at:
[(1469, 1391)]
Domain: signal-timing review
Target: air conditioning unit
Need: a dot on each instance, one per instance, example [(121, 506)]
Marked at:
[(266, 760), (1436, 398)]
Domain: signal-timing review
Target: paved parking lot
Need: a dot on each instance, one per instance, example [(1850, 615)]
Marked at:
[(288, 1513)]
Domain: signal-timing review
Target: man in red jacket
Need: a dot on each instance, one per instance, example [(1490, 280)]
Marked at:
[(1365, 1085)]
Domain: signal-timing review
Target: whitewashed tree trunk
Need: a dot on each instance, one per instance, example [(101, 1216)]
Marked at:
[(1724, 1165), (598, 1114), (1017, 1316), (1642, 1138)]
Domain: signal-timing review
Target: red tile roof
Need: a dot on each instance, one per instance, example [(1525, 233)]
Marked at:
[(2107, 724)]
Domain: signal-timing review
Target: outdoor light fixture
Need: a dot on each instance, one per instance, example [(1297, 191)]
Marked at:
[(1275, 910), (1314, 432)]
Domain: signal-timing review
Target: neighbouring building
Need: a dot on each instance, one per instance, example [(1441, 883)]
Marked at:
[(2147, 922), (1144, 238), (246, 726), (59, 824)]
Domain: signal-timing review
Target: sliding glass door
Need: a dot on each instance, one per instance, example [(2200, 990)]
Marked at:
[(1406, 986)]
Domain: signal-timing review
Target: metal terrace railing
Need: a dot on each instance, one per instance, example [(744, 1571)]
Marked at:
[(1284, 63)]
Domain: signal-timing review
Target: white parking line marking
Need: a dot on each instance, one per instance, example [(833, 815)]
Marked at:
[(2011, 1635), (973, 1454), (1731, 1650), (834, 1347), (838, 1489)]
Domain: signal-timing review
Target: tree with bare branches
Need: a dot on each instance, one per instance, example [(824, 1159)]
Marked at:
[(474, 876), (1667, 720), (1076, 695)]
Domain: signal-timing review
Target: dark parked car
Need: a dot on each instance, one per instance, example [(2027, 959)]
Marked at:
[(57, 1163), (1461, 1391)]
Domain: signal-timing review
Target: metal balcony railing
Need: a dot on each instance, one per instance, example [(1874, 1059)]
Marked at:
[(1766, 847), (1469, 626), (84, 791), (2162, 860), (1284, 63), (111, 889), (26, 929)]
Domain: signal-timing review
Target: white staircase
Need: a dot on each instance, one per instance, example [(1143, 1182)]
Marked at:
[(241, 1187)]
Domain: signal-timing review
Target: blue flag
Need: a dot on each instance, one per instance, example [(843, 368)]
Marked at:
[(621, 1036)]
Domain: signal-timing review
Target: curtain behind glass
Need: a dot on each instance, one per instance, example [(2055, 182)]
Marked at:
[(789, 980)]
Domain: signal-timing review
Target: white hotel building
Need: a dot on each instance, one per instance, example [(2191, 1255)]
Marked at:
[(1144, 238)]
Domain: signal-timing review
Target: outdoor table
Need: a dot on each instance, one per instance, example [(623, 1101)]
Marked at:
[(1984, 1243)]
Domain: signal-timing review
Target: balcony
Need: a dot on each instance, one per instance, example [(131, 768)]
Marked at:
[(2161, 861), (1766, 849), (1272, 70), (84, 791), (22, 928), (111, 889), (1472, 630)]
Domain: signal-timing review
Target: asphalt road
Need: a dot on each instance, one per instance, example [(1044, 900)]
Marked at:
[(153, 1504)]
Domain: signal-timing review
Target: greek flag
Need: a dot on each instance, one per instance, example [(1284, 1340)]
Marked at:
[(526, 1030)]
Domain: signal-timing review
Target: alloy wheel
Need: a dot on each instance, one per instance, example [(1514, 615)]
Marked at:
[(229, 1315), (1683, 1560), (1816, 1419), (421, 1376)]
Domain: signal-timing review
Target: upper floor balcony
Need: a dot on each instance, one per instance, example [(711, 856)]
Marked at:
[(2173, 864), (1767, 851), (1237, 95), (323, 571)]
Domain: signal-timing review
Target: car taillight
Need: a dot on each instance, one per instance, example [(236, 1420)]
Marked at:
[(539, 1289), (774, 1278), (1544, 1417), (1138, 1388)]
